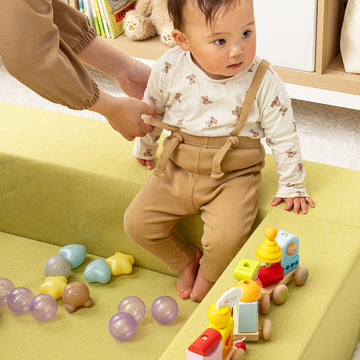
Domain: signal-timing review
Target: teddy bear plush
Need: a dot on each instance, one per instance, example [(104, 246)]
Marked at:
[(148, 19)]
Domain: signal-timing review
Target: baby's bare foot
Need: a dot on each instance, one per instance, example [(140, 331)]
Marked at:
[(201, 287), (187, 276)]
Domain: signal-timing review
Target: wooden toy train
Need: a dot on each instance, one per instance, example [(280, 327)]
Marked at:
[(251, 295)]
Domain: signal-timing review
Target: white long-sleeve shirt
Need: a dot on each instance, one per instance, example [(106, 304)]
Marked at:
[(201, 106)]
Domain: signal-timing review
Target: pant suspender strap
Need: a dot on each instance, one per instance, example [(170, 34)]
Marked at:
[(251, 95)]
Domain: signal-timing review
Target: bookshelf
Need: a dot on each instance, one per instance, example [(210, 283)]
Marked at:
[(329, 71)]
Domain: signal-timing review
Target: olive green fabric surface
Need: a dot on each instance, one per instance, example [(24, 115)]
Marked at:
[(84, 333), (68, 179), (319, 320)]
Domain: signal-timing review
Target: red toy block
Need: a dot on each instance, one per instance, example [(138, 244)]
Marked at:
[(205, 342), (270, 275)]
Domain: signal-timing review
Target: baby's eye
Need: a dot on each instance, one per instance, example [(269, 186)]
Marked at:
[(246, 34), (220, 42)]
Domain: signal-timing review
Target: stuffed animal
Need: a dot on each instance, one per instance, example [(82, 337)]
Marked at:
[(149, 18)]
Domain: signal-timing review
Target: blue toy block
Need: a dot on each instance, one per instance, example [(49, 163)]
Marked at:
[(247, 317), (289, 244)]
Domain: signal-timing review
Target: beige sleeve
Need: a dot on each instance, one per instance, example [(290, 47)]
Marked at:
[(39, 41)]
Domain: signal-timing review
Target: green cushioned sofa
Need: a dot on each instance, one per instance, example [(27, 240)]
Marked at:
[(68, 180)]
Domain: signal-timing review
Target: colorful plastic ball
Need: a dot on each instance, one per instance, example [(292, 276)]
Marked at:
[(164, 309), (19, 300), (122, 326), (134, 306), (5, 287), (57, 265), (43, 307)]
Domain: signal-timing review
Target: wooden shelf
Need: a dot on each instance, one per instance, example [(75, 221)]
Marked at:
[(329, 71), (333, 78)]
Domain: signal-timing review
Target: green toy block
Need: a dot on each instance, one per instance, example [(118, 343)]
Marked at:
[(246, 269)]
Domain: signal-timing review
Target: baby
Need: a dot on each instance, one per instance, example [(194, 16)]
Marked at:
[(218, 99)]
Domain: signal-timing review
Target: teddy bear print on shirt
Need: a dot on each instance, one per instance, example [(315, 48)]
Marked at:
[(191, 79), (276, 102), (167, 67), (236, 111), (178, 97), (254, 133), (211, 122), (291, 153), (282, 108), (205, 100), (148, 153)]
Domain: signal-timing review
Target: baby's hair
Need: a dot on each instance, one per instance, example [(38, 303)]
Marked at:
[(208, 7)]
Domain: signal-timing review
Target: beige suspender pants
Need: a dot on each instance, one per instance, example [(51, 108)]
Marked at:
[(217, 177)]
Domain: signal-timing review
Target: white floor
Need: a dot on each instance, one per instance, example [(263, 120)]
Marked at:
[(328, 134)]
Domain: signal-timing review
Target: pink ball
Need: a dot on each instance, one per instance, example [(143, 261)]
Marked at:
[(43, 307), (19, 300)]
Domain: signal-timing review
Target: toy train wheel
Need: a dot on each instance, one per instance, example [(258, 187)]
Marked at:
[(280, 294), (266, 329), (301, 275), (238, 354), (265, 303)]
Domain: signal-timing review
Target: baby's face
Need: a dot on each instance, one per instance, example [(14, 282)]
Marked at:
[(225, 46)]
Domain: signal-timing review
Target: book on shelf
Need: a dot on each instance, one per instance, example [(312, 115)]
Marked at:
[(105, 16), (114, 11)]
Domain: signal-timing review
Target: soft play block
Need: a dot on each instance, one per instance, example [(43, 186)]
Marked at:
[(319, 320), (335, 191), (68, 179), (84, 333)]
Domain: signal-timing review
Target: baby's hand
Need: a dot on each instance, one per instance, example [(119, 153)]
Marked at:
[(297, 203), (148, 163)]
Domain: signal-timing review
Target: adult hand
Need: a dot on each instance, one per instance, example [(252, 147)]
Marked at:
[(133, 77), (124, 114)]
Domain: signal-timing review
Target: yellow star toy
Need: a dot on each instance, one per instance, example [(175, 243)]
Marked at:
[(53, 285), (120, 263)]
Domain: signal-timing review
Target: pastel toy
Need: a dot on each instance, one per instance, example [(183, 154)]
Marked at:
[(76, 294), (75, 254), (164, 309), (43, 307), (19, 299), (54, 286), (98, 271), (57, 266), (5, 287), (121, 263), (134, 306), (122, 326)]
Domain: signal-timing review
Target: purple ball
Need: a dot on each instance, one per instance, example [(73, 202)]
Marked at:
[(134, 306), (122, 326), (43, 307), (164, 309), (19, 299), (5, 287)]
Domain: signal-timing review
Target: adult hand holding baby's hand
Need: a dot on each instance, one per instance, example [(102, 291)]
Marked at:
[(298, 203)]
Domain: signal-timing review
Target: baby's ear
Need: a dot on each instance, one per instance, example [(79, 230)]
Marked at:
[(180, 39)]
